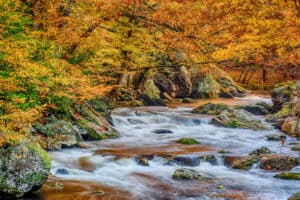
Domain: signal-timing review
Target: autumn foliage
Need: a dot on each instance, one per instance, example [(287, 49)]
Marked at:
[(53, 52)]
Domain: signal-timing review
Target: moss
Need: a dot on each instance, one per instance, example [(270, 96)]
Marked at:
[(43, 154), (210, 109), (288, 175), (187, 141), (233, 124), (285, 110)]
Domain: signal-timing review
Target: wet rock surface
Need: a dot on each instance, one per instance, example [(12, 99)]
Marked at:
[(277, 162), (237, 118), (23, 169), (188, 174)]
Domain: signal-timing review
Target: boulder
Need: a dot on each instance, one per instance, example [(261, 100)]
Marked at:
[(175, 82), (91, 125), (212, 82), (24, 168), (257, 109), (206, 87), (291, 126), (288, 175), (149, 92), (245, 163), (188, 174), (237, 118), (58, 134), (277, 162), (282, 94), (210, 109)]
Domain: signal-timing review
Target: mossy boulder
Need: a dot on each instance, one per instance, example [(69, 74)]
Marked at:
[(149, 92), (212, 82), (92, 125), (205, 87), (187, 141), (24, 168), (295, 196), (277, 162), (210, 108), (288, 175), (245, 163), (188, 174), (260, 108), (282, 94), (237, 118), (58, 133)]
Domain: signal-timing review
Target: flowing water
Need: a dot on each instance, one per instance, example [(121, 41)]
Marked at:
[(113, 162)]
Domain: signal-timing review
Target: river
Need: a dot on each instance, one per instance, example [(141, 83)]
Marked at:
[(114, 162)]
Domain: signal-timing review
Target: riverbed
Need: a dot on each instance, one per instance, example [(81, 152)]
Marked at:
[(115, 163)]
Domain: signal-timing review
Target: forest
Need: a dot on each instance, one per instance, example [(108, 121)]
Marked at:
[(77, 77)]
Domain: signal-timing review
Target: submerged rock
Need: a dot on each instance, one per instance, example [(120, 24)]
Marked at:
[(188, 174), (62, 171), (23, 169), (210, 159), (210, 109), (275, 137), (162, 131), (187, 161), (288, 175), (237, 118), (142, 160), (277, 162)]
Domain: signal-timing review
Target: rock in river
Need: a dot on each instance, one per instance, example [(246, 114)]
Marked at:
[(277, 162), (237, 118), (188, 174), (23, 169)]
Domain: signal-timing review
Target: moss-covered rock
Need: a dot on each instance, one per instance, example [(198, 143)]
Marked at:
[(277, 162), (237, 118), (188, 174), (257, 109), (295, 196), (288, 175), (210, 109), (58, 134), (282, 94), (23, 169), (187, 141), (245, 163), (206, 87), (150, 93)]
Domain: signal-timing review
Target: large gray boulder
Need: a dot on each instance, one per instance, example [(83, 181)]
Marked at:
[(23, 169), (237, 118)]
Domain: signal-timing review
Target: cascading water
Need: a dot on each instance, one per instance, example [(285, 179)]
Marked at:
[(114, 161)]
